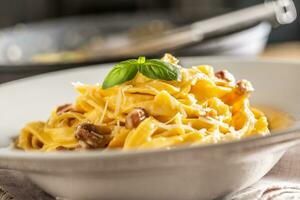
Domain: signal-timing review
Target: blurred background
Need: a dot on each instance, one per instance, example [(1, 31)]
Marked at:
[(47, 35)]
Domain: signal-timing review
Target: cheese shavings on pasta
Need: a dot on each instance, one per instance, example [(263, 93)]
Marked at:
[(203, 107)]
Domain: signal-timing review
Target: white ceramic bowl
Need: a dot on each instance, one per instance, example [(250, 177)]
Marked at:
[(203, 172)]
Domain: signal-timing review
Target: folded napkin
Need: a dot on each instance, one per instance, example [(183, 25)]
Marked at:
[(281, 183), (15, 186)]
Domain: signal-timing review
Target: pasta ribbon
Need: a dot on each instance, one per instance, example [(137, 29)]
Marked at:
[(203, 107)]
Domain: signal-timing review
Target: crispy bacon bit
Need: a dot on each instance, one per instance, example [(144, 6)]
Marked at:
[(91, 136), (225, 75), (244, 87), (64, 108), (170, 59), (135, 117)]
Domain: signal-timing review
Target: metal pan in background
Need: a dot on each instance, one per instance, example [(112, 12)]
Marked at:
[(52, 45), (20, 44)]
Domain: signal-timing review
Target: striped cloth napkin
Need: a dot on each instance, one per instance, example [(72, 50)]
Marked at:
[(281, 183)]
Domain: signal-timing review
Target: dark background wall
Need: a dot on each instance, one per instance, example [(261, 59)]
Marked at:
[(16, 11)]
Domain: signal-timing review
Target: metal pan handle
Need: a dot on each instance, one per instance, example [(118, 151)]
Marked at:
[(276, 12)]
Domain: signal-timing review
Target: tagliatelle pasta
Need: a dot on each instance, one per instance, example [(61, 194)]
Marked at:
[(202, 107)]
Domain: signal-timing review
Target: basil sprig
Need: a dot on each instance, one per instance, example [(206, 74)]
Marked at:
[(152, 68)]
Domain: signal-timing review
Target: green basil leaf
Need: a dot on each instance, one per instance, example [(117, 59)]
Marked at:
[(158, 69), (153, 68), (121, 72)]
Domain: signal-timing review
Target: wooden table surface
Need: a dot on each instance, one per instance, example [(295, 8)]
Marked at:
[(283, 51)]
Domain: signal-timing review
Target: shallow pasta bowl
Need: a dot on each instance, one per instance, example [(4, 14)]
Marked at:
[(199, 172)]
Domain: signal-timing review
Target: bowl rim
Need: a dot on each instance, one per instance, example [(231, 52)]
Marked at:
[(262, 60)]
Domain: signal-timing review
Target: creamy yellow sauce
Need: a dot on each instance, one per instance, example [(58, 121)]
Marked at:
[(277, 119)]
